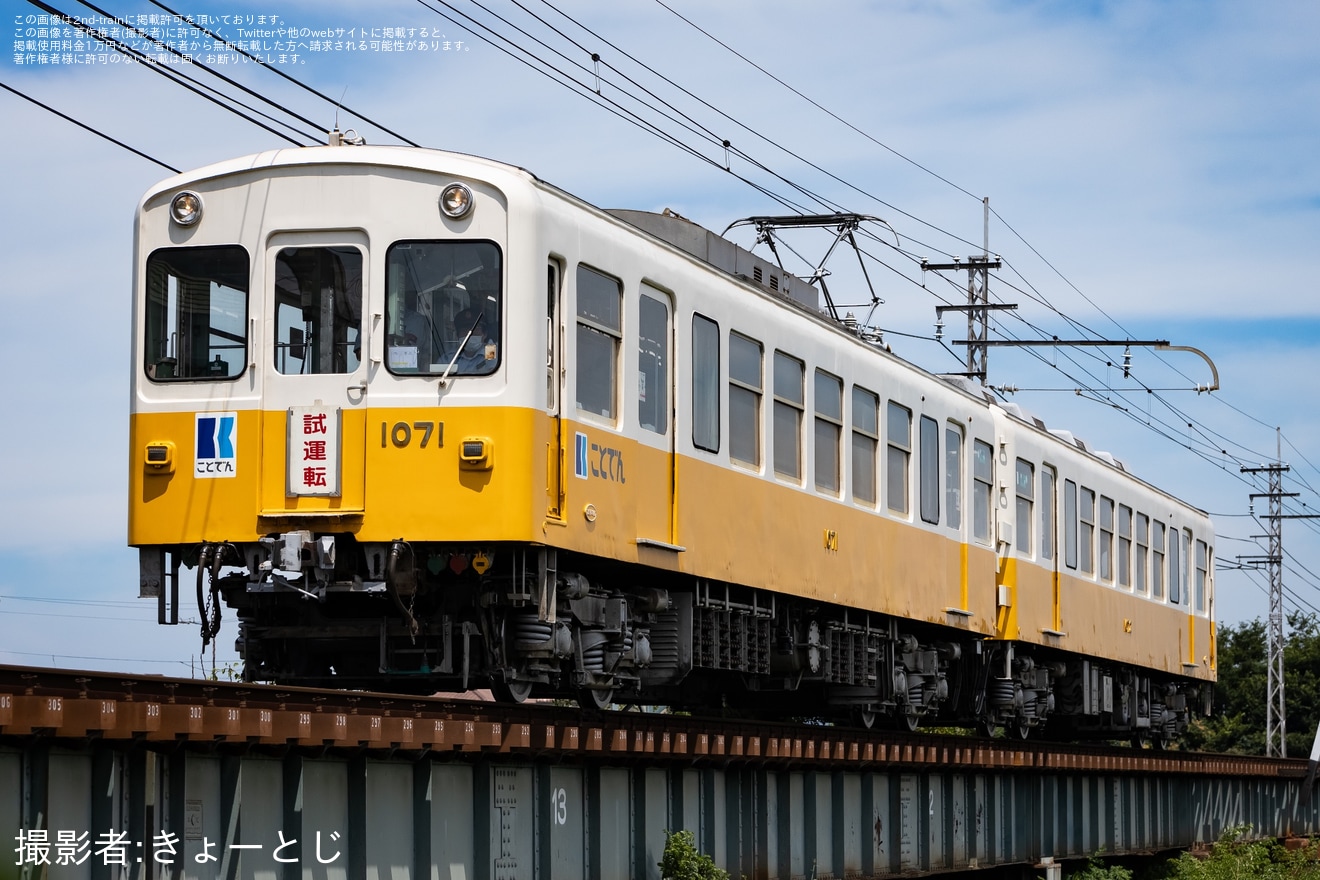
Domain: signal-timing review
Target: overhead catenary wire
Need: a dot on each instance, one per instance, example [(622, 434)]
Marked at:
[(161, 70), (281, 73), (86, 127)]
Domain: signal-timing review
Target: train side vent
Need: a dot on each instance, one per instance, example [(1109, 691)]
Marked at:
[(756, 274), (774, 282)]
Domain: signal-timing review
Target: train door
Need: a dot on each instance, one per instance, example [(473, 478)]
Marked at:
[(315, 389), (656, 490), (554, 393)]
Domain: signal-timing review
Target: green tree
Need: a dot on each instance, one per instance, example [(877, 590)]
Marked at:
[(1234, 858), (1237, 725), (682, 861)]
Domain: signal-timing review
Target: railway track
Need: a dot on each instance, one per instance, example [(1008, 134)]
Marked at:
[(75, 705)]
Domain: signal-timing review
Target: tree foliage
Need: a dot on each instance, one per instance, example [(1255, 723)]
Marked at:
[(1237, 725), (1234, 858), (682, 861)]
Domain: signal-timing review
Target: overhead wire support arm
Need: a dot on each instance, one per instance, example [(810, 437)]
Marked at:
[(1157, 344), (978, 307)]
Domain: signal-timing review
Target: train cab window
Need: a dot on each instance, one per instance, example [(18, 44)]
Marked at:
[(1070, 523), (196, 313), (1141, 562), (953, 477), (1025, 478), (1048, 528), (829, 431), (1202, 574), (983, 477), (1157, 560), (1086, 530), (318, 310), (443, 306), (745, 389), (1124, 546), (599, 332), (865, 444), (705, 384), (653, 363), (789, 404), (898, 425), (1106, 544), (928, 436)]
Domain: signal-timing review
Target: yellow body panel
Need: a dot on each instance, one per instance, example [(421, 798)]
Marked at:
[(632, 502)]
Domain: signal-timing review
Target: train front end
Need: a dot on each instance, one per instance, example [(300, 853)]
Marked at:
[(332, 431)]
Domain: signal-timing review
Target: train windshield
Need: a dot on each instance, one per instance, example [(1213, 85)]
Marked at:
[(443, 306), (196, 313)]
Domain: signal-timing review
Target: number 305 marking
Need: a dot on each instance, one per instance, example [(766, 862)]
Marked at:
[(403, 434)]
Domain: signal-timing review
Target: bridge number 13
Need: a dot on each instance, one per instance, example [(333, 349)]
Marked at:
[(559, 806)]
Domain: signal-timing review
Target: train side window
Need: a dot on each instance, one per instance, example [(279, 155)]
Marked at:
[(953, 477), (983, 478), (705, 384), (599, 333), (653, 363), (1175, 568), (1086, 530), (1047, 523), (865, 444), (928, 436), (789, 379), (1026, 502), (1106, 554), (829, 431), (745, 389), (898, 425), (196, 313), (1070, 523), (1187, 565), (1202, 574), (1140, 564), (551, 335), (1157, 560), (1124, 546)]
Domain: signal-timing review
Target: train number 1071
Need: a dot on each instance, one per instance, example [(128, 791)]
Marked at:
[(404, 434)]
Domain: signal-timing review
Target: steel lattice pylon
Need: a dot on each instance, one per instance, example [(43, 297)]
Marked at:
[(1276, 715)]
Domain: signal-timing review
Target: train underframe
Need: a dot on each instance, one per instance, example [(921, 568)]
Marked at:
[(528, 621)]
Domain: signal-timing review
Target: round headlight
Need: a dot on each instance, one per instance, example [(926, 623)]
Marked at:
[(456, 201), (186, 209)]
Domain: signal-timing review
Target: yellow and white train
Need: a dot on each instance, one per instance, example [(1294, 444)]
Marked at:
[(424, 421)]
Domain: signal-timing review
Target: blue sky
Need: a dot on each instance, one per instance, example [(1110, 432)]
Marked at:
[(1157, 161)]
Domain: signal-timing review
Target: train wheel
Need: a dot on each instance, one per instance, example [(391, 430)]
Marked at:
[(511, 691), (1019, 730), (591, 698), (910, 723), (866, 717), (985, 727)]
